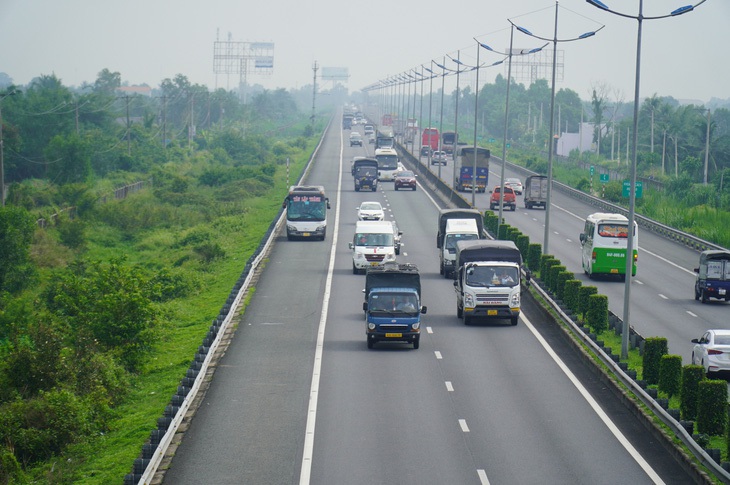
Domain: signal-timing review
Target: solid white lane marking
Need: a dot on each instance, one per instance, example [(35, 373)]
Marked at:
[(449, 386), (438, 354), (464, 427), (595, 406), (305, 474)]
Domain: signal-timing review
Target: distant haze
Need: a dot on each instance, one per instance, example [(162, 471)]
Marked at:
[(147, 41)]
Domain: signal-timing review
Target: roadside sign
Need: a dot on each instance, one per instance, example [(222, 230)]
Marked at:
[(604, 178), (593, 170), (491, 140), (627, 189)]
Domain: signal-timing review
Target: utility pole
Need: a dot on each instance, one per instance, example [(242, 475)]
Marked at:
[(314, 91), (129, 143)]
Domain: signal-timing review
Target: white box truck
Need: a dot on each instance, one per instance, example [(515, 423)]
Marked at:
[(456, 230), (372, 245)]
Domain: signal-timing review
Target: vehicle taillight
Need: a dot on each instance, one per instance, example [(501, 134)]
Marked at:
[(593, 255), (714, 352), (636, 257)]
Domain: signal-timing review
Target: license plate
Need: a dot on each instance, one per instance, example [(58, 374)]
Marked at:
[(614, 271), (721, 291), (393, 335), (491, 312), (373, 264), (306, 234)]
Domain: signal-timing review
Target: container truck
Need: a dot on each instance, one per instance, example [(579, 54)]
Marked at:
[(393, 304), (465, 169), (535, 193)]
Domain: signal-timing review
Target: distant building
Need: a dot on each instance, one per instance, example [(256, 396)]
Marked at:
[(583, 140)]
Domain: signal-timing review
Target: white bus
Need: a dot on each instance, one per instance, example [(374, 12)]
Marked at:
[(387, 163), (306, 212), (604, 241)]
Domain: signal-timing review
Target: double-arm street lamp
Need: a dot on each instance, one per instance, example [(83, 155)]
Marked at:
[(551, 143), (509, 55), (2, 152), (632, 190)]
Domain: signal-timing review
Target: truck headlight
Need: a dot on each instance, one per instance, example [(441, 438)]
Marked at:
[(371, 326), (468, 300), (515, 300), (416, 326), (390, 257), (321, 228)]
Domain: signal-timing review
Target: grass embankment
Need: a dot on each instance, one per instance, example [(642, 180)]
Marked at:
[(234, 229)]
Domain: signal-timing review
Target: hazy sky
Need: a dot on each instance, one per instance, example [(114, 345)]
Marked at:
[(147, 41)]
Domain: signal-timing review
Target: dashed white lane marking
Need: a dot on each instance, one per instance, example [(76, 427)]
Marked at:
[(482, 477), (464, 427), (663, 296), (691, 314), (438, 354), (449, 386)]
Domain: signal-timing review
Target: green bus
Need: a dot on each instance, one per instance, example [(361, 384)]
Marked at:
[(604, 242)]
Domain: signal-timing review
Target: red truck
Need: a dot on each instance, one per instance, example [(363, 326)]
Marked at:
[(430, 138), (509, 199)]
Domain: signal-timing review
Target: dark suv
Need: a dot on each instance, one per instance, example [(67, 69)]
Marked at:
[(509, 199), (405, 179)]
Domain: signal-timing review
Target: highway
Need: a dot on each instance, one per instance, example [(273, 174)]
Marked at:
[(662, 294), (298, 397)]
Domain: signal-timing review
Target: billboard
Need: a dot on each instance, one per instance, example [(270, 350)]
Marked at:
[(264, 62), (335, 74)]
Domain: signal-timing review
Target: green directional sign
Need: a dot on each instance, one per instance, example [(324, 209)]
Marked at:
[(627, 189), (593, 170), (491, 140), (508, 145), (604, 178)]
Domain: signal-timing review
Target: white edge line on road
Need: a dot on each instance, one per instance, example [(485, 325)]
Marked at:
[(306, 470), (655, 478)]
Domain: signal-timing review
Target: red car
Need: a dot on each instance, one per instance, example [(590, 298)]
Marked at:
[(405, 180), (509, 200)]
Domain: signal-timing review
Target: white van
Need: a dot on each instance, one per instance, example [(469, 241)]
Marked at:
[(372, 245), (456, 230)]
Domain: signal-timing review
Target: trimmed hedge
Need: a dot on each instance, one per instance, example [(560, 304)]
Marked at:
[(563, 276), (670, 374), (654, 348), (597, 314), (570, 294), (491, 221), (554, 272), (502, 235), (691, 377), (583, 293), (712, 407), (534, 255), (523, 243), (545, 268)]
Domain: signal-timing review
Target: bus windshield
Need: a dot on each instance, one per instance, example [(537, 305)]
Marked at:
[(306, 208), (387, 162)]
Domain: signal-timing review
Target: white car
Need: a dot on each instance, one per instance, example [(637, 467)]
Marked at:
[(370, 211), (516, 185), (712, 351), (439, 158)]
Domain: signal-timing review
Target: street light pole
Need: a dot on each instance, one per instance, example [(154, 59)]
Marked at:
[(634, 156), (551, 142), (441, 117), (707, 145)]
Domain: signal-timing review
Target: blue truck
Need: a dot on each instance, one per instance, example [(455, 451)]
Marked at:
[(713, 276), (392, 304), (365, 173), (465, 162)]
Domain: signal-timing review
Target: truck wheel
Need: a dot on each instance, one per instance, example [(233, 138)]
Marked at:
[(514, 320), (395, 187), (467, 320), (441, 268), (703, 297), (459, 311), (416, 343), (697, 295), (354, 269), (414, 188), (357, 189), (370, 343), (374, 187)]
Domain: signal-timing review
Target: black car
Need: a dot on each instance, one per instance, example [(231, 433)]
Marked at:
[(425, 151), (405, 179)]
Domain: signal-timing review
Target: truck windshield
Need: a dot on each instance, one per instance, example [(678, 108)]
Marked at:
[(365, 172), (491, 276), (452, 239), (306, 208), (365, 239), (393, 303)]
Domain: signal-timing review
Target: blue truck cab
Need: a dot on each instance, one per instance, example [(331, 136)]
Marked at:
[(393, 304), (713, 276)]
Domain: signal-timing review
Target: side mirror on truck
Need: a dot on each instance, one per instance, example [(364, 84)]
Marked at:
[(423, 309), (364, 306)]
